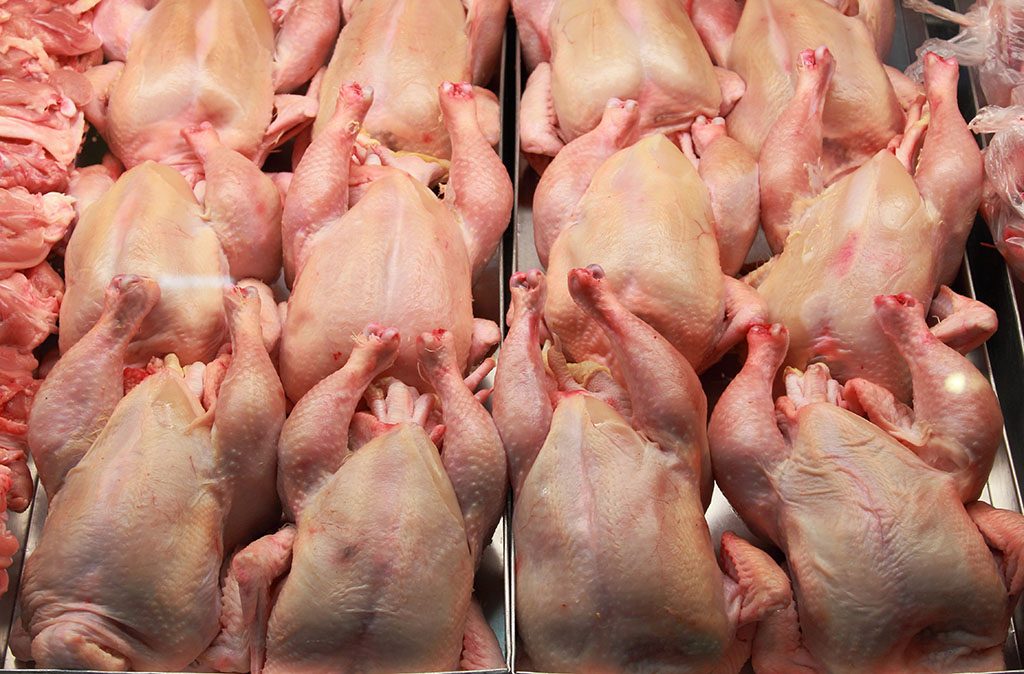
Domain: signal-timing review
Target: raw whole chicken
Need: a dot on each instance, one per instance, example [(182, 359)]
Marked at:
[(190, 62), (149, 223), (303, 33), (147, 491), (923, 592), (643, 213), (400, 256), (716, 22), (879, 16), (877, 230), (1002, 204), (404, 50), (615, 567), (862, 110), (379, 564), (586, 51)]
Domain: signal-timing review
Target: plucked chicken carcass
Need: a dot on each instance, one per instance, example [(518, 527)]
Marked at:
[(584, 52), (615, 566), (404, 50), (888, 227), (378, 568), (303, 32), (923, 592), (150, 223), (190, 62), (148, 491), (862, 110), (400, 256), (661, 233), (716, 21)]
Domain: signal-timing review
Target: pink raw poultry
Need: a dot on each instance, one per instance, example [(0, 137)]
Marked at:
[(662, 234), (587, 51), (204, 473), (615, 566), (923, 592), (190, 62), (877, 230), (404, 50), (399, 256), (378, 569)]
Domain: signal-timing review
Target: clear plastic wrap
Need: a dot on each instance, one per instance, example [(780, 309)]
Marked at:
[(1002, 203), (991, 40)]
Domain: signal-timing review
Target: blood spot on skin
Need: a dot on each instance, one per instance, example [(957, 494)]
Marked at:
[(845, 256), (336, 356)]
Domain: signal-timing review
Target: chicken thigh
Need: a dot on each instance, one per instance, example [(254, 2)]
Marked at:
[(587, 51), (923, 592), (643, 213), (877, 230), (404, 50), (147, 490), (150, 223), (379, 564), (615, 567), (190, 62), (400, 256)]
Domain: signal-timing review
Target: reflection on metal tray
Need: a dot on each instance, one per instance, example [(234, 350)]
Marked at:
[(492, 586), (983, 276)]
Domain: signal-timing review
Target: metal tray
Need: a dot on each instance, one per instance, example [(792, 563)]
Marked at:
[(491, 585), (983, 276)]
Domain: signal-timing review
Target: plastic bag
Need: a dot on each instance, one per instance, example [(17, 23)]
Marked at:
[(1002, 202), (991, 40)]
